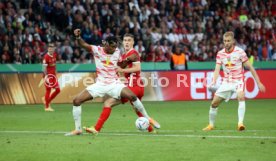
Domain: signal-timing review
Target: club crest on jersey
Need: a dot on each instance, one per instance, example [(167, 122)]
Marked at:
[(107, 62), (229, 63)]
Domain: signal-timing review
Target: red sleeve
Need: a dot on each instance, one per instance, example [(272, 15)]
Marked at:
[(55, 55), (45, 60), (135, 53)]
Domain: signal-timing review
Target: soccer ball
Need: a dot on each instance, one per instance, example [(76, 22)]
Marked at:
[(142, 123)]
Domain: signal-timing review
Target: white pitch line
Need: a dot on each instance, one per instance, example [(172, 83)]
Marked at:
[(150, 135), (214, 131)]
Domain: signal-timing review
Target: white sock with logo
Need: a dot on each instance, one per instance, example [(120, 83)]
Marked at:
[(140, 107), (241, 111), (77, 117), (212, 116)]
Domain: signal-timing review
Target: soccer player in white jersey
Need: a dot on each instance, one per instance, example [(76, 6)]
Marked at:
[(231, 59), (131, 67), (107, 83)]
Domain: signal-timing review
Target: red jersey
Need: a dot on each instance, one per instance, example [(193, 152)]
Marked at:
[(50, 62), (134, 78)]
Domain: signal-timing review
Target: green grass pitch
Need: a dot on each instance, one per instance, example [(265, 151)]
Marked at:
[(27, 133)]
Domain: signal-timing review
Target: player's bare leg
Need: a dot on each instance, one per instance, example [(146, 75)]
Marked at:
[(127, 93), (78, 100), (241, 110), (213, 112)]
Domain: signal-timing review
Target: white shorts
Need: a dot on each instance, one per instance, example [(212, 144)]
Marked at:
[(99, 89), (226, 90)]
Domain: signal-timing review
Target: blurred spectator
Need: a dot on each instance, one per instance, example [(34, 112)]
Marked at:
[(140, 48), (66, 51), (264, 51), (76, 56), (250, 55), (241, 44), (107, 33), (195, 26), (273, 51), (178, 60), (78, 6)]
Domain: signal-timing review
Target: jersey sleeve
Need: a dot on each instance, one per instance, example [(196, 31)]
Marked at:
[(94, 49), (45, 61), (218, 59), (137, 55), (244, 57)]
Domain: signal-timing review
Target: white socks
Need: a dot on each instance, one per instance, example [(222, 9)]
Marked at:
[(241, 111), (212, 115), (140, 107), (77, 117)]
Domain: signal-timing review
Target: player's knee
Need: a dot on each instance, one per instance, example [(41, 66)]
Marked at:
[(132, 98), (107, 104), (214, 104), (76, 101), (241, 99)]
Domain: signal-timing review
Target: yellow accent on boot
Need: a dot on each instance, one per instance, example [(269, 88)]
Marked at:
[(91, 130), (154, 123), (74, 133), (208, 128)]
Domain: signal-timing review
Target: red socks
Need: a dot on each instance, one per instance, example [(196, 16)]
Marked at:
[(150, 128), (139, 114), (103, 117), (53, 95), (49, 98)]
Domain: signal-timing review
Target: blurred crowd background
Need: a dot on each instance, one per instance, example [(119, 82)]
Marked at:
[(160, 27)]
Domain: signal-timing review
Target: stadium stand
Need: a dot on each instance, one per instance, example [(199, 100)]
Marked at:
[(196, 26)]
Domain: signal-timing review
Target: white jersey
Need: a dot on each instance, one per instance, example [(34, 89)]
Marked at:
[(232, 64), (106, 65)]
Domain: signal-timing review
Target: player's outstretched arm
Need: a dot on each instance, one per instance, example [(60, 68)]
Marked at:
[(248, 65), (81, 42), (136, 65), (216, 74), (212, 87), (135, 68)]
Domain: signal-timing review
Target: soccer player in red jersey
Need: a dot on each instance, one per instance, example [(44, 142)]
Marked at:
[(131, 68), (49, 75)]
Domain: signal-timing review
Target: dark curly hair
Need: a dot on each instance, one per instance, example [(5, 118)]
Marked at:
[(112, 40)]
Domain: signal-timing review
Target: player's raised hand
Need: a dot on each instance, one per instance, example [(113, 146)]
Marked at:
[(77, 33), (119, 70), (261, 87), (212, 87)]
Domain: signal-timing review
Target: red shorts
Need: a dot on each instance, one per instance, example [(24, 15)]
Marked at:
[(137, 90), (51, 81)]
